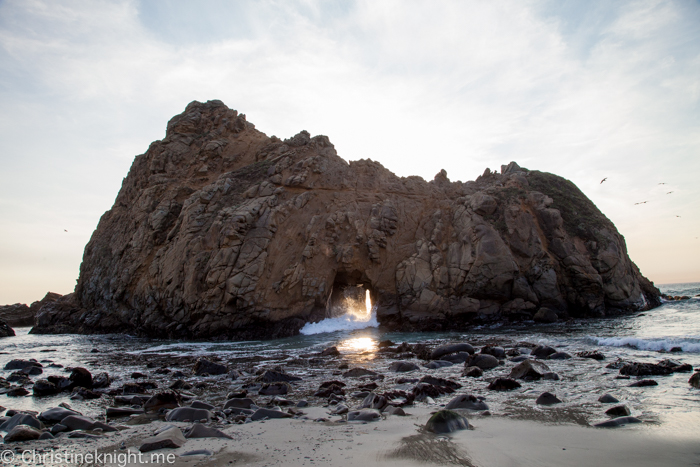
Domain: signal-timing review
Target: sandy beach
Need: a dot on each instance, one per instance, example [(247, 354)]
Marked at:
[(399, 441)]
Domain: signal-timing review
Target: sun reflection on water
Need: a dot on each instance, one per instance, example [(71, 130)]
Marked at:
[(358, 349), (358, 345)]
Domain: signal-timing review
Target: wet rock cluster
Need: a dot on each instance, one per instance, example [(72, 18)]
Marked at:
[(194, 402)]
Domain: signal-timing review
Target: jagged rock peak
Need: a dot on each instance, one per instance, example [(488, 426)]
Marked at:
[(220, 231)]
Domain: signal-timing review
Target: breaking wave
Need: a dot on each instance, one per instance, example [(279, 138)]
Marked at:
[(687, 344), (346, 322)]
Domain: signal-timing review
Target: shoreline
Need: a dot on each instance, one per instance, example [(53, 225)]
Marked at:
[(516, 430), (397, 441)]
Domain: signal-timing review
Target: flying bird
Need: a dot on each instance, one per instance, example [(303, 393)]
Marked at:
[(601, 182), (662, 183), (678, 216), (641, 202), (669, 192), (65, 230)]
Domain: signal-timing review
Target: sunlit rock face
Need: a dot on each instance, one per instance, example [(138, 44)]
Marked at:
[(220, 231)]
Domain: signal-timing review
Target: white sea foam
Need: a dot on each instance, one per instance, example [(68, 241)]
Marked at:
[(346, 322), (688, 344)]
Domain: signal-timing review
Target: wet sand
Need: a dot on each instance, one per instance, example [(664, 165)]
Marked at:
[(399, 441)]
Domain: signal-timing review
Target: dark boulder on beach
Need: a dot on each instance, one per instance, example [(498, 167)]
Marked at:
[(503, 384), (374, 401), (21, 364), (592, 354), (694, 380), (201, 431), (79, 422), (403, 367), (364, 415), (274, 389), (272, 376), (206, 367), (188, 414), (547, 398), (616, 422), (437, 364), (170, 438), (443, 350), (220, 231), (644, 383), (163, 400), (466, 402), (529, 370), (607, 399), (496, 351), (455, 358), (359, 372), (80, 377), (435, 381), (543, 351), (473, 372), (22, 433), (447, 421), (6, 330), (618, 411), (17, 392), (485, 362), (43, 387), (645, 369), (21, 419)]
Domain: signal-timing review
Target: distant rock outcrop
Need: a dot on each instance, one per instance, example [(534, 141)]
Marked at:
[(21, 315), (221, 231)]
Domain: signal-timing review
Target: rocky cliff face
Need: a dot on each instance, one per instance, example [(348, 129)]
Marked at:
[(221, 231)]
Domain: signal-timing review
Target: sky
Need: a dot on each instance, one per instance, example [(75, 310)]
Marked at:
[(583, 89)]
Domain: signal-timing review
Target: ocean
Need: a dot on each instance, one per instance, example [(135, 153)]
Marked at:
[(643, 337)]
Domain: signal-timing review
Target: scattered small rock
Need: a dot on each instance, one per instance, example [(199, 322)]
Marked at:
[(591, 354), (607, 399), (358, 372), (529, 370), (615, 422), (543, 351), (618, 411), (644, 383), (450, 349), (503, 384), (473, 372), (22, 433), (182, 414), (172, 438), (403, 367), (467, 402), (547, 398), (364, 415), (204, 366), (483, 361), (200, 431)]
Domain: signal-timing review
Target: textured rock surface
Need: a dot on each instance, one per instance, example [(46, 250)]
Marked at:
[(221, 231), (19, 314), (6, 330)]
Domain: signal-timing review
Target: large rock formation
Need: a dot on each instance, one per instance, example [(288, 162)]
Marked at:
[(221, 231), (19, 314)]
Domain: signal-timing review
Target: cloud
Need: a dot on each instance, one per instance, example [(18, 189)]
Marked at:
[(606, 90)]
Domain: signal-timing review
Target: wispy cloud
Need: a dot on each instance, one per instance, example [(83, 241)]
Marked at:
[(601, 90)]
